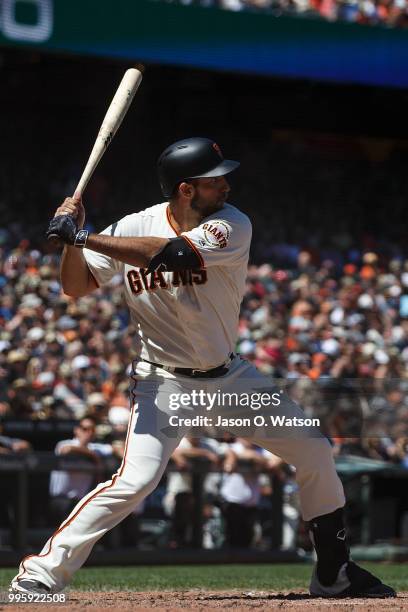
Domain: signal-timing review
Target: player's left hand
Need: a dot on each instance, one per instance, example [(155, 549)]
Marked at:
[(64, 226)]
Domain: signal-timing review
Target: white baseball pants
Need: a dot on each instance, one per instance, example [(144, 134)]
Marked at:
[(149, 444)]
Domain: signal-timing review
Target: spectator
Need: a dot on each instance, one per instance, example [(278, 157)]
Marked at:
[(241, 493), (9, 507), (399, 451), (178, 501), (13, 445), (67, 487)]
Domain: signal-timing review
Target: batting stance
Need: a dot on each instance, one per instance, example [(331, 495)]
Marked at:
[(184, 265)]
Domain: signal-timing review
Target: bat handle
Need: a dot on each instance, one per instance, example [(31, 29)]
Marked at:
[(54, 238)]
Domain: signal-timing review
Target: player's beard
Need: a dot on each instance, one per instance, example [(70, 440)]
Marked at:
[(206, 208)]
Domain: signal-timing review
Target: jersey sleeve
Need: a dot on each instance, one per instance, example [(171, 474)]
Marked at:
[(103, 268), (221, 241)]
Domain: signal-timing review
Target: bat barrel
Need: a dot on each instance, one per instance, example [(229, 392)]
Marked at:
[(110, 124)]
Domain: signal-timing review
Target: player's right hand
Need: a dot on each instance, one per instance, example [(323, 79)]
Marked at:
[(73, 206)]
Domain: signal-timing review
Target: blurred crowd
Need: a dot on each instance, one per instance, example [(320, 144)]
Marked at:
[(372, 12), (337, 336), (334, 331)]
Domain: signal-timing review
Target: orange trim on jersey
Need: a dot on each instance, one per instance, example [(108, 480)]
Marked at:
[(169, 220), (196, 251), (114, 478)]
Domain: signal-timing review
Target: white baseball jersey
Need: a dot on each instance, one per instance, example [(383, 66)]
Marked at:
[(190, 318)]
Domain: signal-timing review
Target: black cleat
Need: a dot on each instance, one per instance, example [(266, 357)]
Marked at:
[(352, 581)]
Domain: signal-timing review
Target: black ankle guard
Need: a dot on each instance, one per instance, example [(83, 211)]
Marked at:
[(328, 535)]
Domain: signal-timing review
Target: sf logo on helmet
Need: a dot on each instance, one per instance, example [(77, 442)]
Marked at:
[(217, 148)]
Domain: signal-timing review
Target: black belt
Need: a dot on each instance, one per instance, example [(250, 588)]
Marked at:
[(194, 372)]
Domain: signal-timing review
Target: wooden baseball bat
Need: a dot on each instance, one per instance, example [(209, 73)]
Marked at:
[(110, 124)]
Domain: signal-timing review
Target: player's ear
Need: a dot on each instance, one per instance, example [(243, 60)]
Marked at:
[(187, 190)]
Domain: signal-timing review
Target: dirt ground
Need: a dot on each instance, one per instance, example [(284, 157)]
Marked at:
[(202, 600)]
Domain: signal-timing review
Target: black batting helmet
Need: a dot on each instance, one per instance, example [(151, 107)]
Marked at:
[(191, 158)]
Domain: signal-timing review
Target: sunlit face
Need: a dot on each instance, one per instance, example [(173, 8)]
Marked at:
[(209, 194), (85, 431)]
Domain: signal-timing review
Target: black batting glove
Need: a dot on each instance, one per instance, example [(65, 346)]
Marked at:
[(62, 227)]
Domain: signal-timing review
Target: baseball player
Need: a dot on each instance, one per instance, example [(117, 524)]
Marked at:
[(184, 265)]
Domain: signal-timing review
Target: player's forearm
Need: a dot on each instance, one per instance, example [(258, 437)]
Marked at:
[(75, 275), (133, 251)]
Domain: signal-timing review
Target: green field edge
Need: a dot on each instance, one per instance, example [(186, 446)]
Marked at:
[(253, 577)]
